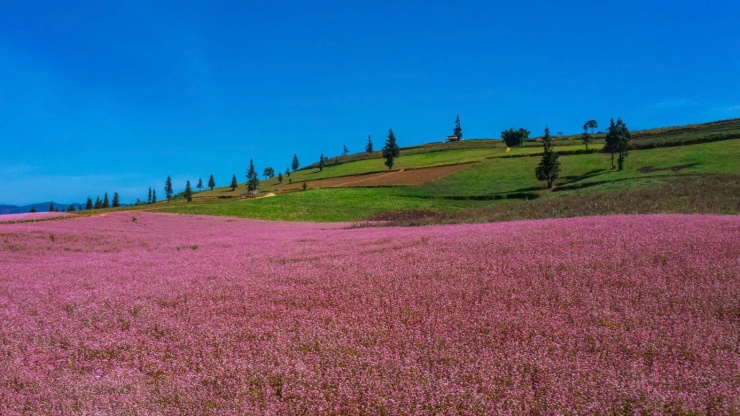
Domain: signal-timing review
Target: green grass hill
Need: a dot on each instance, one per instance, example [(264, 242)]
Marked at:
[(691, 168)]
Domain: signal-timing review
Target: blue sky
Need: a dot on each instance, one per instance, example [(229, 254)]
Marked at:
[(114, 96)]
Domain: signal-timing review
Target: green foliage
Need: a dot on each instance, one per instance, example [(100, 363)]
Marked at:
[(89, 204), (98, 203), (116, 200), (280, 178), (188, 192), (268, 173), (295, 165), (253, 181), (168, 188), (549, 167), (233, 183), (369, 145), (321, 162), (211, 182), (617, 141), (458, 129), (149, 196), (514, 137), (591, 124), (391, 150), (200, 184), (345, 151), (154, 196), (106, 202)]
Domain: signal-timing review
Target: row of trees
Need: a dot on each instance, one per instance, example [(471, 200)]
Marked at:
[(616, 143)]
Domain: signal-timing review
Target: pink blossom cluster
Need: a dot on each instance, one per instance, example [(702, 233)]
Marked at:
[(145, 313), (33, 216)]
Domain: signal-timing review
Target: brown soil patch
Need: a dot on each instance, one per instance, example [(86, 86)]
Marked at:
[(401, 177)]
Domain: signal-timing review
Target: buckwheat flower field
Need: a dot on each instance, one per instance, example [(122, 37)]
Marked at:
[(144, 313)]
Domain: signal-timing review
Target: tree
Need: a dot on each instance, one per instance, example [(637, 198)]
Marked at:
[(369, 145), (233, 183), (149, 197), (116, 200), (295, 165), (280, 177), (514, 137), (458, 129), (211, 182), (188, 192), (287, 172), (591, 124), (549, 167), (200, 184), (585, 137), (89, 204), (268, 173), (321, 162), (618, 137), (71, 208), (106, 202), (33, 209), (345, 151), (98, 203), (168, 188), (391, 150), (252, 179), (304, 186), (154, 196), (51, 207)]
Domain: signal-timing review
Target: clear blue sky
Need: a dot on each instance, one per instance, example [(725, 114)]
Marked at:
[(114, 96)]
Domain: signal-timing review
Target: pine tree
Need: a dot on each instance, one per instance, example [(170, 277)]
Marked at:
[(345, 151), (200, 184), (295, 165), (321, 162), (51, 207), (280, 177), (116, 200), (168, 188), (89, 204), (188, 192), (98, 203), (154, 196), (369, 145), (391, 150), (233, 183), (458, 129), (71, 208), (549, 167), (149, 197), (211, 182), (106, 202), (252, 180)]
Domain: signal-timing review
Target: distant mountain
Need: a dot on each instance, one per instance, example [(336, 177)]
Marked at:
[(40, 207)]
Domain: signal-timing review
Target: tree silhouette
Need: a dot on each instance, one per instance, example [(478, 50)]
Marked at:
[(369, 145), (549, 167), (391, 150), (211, 182), (457, 132)]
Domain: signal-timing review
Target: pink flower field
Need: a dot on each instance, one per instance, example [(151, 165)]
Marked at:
[(33, 216), (144, 313)]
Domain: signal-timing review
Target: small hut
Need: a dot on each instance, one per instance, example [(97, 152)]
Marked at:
[(452, 138)]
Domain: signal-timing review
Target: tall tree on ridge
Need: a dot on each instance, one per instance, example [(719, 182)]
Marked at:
[(321, 162), (200, 184), (233, 183), (188, 192), (458, 129), (549, 167), (252, 179), (106, 202), (116, 200), (168, 188), (211, 182), (369, 145), (391, 150), (295, 165)]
